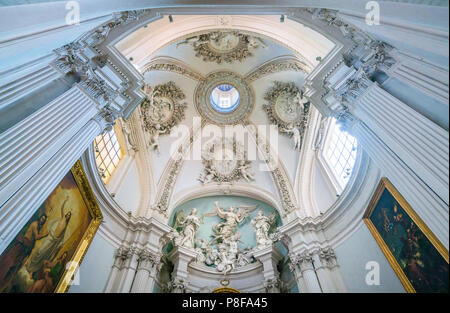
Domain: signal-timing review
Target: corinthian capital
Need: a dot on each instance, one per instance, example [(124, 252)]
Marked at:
[(303, 261), (106, 118), (272, 285), (123, 253), (327, 257), (148, 259)]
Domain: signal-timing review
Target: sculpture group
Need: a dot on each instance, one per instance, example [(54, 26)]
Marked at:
[(223, 251)]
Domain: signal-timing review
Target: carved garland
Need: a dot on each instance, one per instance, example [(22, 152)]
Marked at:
[(174, 68), (219, 46), (168, 91), (286, 92), (275, 67), (240, 164)]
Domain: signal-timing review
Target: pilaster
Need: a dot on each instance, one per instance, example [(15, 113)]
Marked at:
[(180, 257), (416, 140), (270, 257)]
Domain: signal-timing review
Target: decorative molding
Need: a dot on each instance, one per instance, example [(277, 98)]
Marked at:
[(279, 175), (206, 110), (169, 182), (280, 64), (168, 64)]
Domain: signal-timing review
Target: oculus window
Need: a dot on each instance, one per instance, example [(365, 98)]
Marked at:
[(224, 98)]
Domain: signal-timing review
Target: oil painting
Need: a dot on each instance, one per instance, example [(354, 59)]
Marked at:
[(418, 258), (46, 252)]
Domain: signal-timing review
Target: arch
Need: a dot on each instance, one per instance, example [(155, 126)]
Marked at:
[(141, 43), (237, 189)]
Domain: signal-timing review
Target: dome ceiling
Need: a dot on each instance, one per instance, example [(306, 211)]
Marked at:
[(220, 77)]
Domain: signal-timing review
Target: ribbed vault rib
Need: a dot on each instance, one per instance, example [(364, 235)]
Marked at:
[(169, 64)]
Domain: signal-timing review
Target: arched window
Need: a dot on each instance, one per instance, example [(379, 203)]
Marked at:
[(107, 153), (339, 154)]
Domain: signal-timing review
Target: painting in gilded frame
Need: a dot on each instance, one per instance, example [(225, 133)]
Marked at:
[(48, 250), (416, 255)]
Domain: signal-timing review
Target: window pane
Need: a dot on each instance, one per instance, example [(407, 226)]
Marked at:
[(340, 153), (107, 153)]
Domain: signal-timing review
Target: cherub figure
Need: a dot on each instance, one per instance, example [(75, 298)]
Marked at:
[(244, 168), (154, 142), (295, 133)]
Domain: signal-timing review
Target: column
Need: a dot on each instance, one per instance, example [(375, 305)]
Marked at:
[(27, 146), (146, 270), (427, 77), (416, 140), (19, 83), (305, 265), (121, 255), (327, 271), (19, 207), (128, 271), (269, 257), (428, 205)]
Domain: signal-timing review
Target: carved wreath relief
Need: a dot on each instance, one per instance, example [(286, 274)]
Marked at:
[(225, 163), (161, 110), (224, 46), (288, 109)]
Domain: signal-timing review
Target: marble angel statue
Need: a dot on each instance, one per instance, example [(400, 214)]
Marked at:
[(232, 219), (262, 225), (244, 168), (208, 176), (225, 262), (256, 42), (189, 226), (295, 133), (154, 141), (300, 100)]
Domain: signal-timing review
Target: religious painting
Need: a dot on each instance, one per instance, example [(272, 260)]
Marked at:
[(47, 251), (418, 258)]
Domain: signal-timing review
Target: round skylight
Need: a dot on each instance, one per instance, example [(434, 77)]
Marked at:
[(224, 98)]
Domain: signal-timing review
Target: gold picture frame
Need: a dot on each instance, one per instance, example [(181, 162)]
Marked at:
[(79, 174), (388, 226), (46, 253)]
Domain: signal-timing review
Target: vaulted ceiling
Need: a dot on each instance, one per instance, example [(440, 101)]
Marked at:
[(184, 51)]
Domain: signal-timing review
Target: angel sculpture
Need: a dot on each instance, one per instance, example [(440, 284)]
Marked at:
[(209, 175), (244, 257), (244, 168), (189, 225), (232, 218), (255, 42), (154, 142), (300, 100), (191, 40), (295, 133), (225, 261), (263, 225), (147, 89), (201, 250)]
